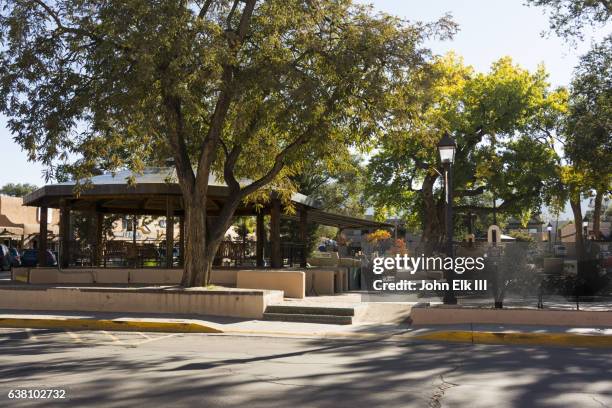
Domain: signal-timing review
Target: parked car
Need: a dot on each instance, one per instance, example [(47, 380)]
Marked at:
[(15, 257), (30, 258), (5, 258)]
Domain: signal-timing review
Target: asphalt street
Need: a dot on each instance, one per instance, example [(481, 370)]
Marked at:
[(173, 370)]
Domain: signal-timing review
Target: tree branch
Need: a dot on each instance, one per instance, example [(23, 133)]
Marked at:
[(484, 209), (204, 9), (469, 193), (174, 119), (79, 31), (209, 148), (279, 163)]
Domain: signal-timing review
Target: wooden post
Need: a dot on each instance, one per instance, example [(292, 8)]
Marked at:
[(97, 255), (276, 256), (64, 235), (261, 239), (182, 241), (169, 231), (134, 248), (303, 234), (42, 238)]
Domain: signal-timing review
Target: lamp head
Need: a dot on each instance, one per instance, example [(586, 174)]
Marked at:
[(446, 148)]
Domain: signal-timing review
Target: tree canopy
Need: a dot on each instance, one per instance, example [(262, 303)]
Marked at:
[(586, 135), (17, 189), (242, 89), (568, 18), (496, 118)]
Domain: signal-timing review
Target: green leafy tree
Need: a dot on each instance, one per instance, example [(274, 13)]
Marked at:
[(496, 117), (585, 135), (588, 142), (241, 89), (568, 18), (337, 184), (18, 189), (244, 226)]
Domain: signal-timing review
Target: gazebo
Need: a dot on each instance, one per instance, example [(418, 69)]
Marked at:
[(155, 192)]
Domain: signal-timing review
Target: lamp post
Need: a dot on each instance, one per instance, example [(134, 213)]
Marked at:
[(446, 148), (549, 229)]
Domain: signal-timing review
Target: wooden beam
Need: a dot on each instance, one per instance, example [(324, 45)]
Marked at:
[(64, 235), (169, 231), (42, 237), (260, 232), (275, 215), (303, 234), (97, 254), (182, 241)]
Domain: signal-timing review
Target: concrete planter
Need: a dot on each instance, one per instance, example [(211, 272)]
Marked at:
[(246, 303), (542, 317)]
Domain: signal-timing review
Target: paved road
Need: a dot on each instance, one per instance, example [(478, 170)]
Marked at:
[(154, 369)]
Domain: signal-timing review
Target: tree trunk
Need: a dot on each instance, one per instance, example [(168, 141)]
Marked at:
[(216, 233), (575, 204), (195, 261), (433, 231), (597, 213)]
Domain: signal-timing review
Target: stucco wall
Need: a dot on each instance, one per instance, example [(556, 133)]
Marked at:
[(115, 275), (451, 315), (231, 302), (23, 220), (292, 283)]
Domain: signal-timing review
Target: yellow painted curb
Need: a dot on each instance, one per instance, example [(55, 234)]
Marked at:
[(109, 325), (538, 339)]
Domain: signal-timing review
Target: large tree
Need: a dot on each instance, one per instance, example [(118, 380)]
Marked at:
[(18, 189), (240, 89), (568, 18), (588, 131), (585, 135), (496, 118)]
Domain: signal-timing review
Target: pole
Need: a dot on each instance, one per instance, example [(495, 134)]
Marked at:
[(169, 232), (261, 237), (494, 209), (449, 295), (276, 260), (550, 240), (42, 244), (134, 249)]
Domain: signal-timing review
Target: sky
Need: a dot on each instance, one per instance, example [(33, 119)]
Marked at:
[(489, 29)]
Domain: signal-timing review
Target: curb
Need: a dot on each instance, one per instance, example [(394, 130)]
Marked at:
[(324, 335), (514, 338), (454, 336), (109, 325)]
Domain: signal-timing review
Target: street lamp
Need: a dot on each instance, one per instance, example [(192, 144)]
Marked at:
[(585, 226), (446, 148)]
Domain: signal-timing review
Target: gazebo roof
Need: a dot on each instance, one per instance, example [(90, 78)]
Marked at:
[(150, 190)]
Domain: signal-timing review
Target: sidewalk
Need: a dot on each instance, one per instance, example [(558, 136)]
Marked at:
[(465, 333)]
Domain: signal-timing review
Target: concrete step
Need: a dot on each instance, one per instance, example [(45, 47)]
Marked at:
[(312, 310), (308, 318)]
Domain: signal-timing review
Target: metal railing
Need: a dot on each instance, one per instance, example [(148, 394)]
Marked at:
[(148, 253)]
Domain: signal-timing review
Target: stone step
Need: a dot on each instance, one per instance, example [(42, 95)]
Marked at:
[(307, 318), (312, 310)]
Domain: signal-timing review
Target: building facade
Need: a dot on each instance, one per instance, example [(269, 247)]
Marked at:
[(20, 225)]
